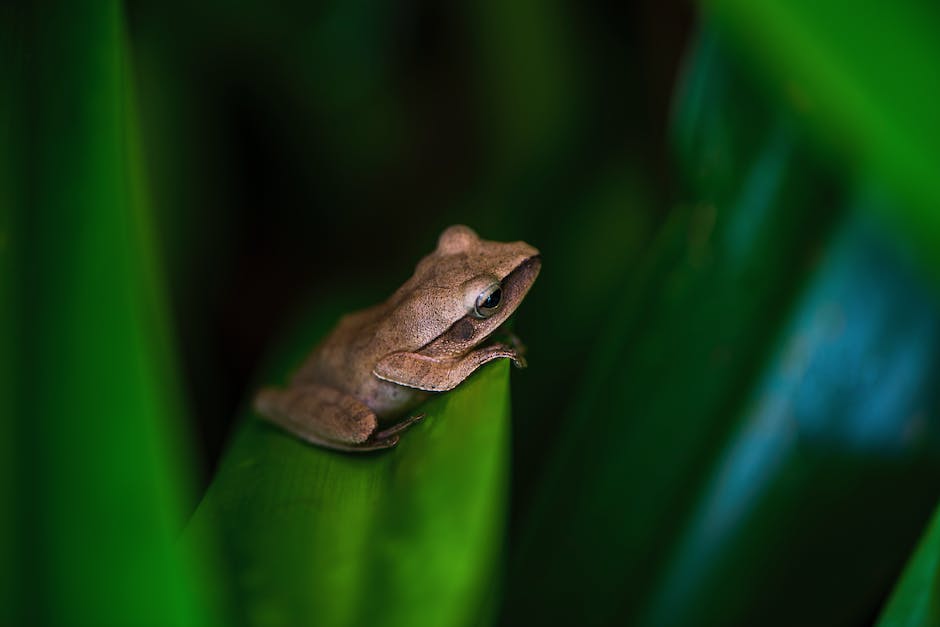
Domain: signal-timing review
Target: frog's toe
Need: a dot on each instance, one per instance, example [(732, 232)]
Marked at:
[(399, 427), (378, 444)]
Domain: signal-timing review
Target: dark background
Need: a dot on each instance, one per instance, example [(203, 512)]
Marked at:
[(321, 148)]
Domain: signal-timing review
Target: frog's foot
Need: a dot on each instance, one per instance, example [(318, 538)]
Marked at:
[(399, 427), (374, 445), (508, 345), (518, 356), (324, 416), (508, 337)]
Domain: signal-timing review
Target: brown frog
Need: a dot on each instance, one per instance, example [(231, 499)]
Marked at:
[(378, 364)]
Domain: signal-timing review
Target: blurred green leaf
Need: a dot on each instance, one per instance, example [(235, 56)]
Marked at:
[(915, 601), (862, 77), (815, 490), (625, 528), (411, 536), (102, 459), (678, 347)]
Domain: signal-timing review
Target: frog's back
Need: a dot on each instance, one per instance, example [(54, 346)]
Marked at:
[(345, 358), (342, 350)]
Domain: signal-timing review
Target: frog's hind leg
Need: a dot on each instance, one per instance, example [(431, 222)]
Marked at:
[(324, 416)]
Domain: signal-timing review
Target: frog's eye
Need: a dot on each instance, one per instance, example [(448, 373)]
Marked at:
[(488, 301)]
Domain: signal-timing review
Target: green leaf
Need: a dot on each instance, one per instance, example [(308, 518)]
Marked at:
[(859, 75), (100, 452), (915, 601), (410, 536)]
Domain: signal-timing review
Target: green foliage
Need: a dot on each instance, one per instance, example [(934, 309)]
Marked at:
[(101, 468), (731, 414), (733, 388), (859, 77)]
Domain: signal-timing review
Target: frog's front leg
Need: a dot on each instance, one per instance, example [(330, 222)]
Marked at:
[(325, 416), (439, 374)]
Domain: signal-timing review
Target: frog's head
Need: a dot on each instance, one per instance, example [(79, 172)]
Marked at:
[(464, 290)]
